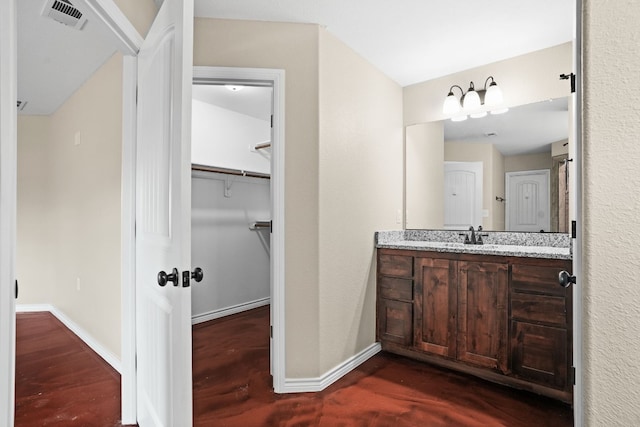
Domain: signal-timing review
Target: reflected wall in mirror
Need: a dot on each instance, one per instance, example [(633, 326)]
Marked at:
[(529, 144)]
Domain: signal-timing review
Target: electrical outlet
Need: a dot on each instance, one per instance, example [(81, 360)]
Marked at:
[(78, 283)]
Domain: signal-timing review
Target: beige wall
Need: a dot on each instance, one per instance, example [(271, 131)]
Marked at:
[(34, 231), (294, 48), (76, 196), (424, 171), (559, 148), (524, 79), (140, 12), (360, 192), (343, 164), (611, 226), (527, 162)]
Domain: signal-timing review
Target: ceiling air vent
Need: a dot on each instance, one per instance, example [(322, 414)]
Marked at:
[(21, 105), (64, 12)]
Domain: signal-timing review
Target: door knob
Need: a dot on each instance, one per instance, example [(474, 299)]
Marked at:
[(565, 279), (197, 274), (164, 278)]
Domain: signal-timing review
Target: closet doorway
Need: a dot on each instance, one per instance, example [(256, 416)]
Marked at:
[(236, 203)]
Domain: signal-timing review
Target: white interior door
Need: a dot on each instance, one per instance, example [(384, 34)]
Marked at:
[(8, 166), (462, 195), (163, 219), (528, 203)]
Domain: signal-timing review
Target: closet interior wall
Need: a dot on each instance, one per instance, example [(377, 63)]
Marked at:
[(230, 194)]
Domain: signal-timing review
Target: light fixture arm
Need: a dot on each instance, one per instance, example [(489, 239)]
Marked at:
[(493, 82), (451, 90)]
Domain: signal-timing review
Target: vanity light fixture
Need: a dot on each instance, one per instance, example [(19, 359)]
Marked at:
[(474, 103)]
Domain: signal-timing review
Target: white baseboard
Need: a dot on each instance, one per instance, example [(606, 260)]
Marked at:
[(227, 311), (108, 356), (304, 385)]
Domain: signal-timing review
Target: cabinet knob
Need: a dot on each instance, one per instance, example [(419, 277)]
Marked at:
[(565, 279)]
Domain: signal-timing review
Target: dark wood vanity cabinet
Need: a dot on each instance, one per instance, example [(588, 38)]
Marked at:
[(501, 318), (540, 325), (482, 314), (436, 305), (395, 299)]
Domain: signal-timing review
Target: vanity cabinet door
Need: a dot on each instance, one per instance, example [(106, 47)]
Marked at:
[(539, 354), (482, 314), (435, 306), (394, 319), (541, 325)]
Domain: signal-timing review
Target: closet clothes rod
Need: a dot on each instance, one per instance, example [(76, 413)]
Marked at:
[(262, 145), (260, 224), (237, 172)]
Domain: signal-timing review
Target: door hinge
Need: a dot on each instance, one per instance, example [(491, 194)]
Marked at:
[(572, 375), (574, 228), (272, 120), (136, 94), (571, 76), (271, 331), (271, 226)]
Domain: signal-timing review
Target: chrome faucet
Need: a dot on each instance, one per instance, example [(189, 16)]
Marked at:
[(471, 239), (473, 236)]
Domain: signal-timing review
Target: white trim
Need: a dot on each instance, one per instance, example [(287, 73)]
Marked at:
[(33, 308), (86, 337), (304, 385), (228, 311), (128, 240), (124, 35), (277, 78), (8, 203), (578, 389)]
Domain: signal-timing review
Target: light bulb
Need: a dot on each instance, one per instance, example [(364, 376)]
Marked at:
[(493, 96), (471, 100), (459, 118), (451, 105)]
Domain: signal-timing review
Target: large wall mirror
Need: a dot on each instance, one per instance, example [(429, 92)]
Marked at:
[(506, 172)]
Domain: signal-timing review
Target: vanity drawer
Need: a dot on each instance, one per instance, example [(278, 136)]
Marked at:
[(395, 288), (536, 278), (546, 309), (395, 265)]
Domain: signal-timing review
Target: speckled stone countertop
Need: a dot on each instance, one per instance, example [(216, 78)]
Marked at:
[(504, 243)]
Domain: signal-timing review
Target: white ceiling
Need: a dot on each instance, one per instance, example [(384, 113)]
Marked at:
[(409, 40), (416, 40), (54, 60), (254, 101), (526, 129)]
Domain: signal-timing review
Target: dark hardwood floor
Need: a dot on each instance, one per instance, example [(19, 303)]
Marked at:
[(61, 382)]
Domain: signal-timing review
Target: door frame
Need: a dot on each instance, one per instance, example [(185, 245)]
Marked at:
[(576, 99), (8, 206), (275, 77)]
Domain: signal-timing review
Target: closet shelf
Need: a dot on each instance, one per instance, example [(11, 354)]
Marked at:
[(237, 172)]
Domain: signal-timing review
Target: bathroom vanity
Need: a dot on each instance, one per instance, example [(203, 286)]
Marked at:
[(495, 310)]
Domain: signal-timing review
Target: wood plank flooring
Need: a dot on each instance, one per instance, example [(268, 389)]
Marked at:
[(61, 382)]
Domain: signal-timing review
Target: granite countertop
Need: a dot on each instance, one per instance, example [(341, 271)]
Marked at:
[(532, 245)]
